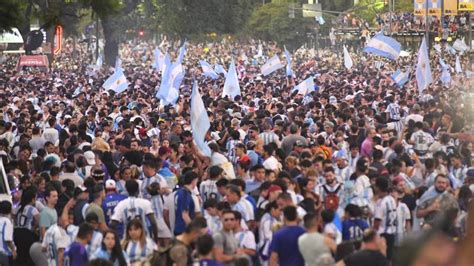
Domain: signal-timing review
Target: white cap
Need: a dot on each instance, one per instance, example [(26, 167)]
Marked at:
[(16, 99), (90, 157), (110, 184)]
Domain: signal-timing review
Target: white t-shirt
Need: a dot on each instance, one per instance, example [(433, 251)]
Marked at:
[(393, 110), (403, 215), (246, 239), (362, 187)]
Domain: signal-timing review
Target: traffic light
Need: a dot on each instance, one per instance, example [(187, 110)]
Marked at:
[(141, 33)]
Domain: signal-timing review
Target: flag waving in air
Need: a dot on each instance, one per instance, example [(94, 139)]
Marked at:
[(231, 85), (423, 69), (384, 46), (117, 82), (271, 65), (200, 123), (207, 70), (289, 71), (347, 59)]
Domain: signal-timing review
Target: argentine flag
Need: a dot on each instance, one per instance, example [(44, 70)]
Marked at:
[(445, 75), (220, 69), (289, 71), (305, 86), (207, 70), (458, 65), (231, 85), (159, 60), (423, 69), (117, 82), (200, 123), (400, 78), (384, 46), (169, 88), (118, 64), (271, 65)]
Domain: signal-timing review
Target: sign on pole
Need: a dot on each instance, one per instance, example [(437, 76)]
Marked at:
[(466, 5), (450, 7)]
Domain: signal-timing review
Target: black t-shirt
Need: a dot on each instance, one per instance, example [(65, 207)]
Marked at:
[(366, 257), (410, 201)]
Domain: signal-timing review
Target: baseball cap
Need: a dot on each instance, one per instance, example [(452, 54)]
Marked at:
[(90, 157), (78, 190), (110, 184)]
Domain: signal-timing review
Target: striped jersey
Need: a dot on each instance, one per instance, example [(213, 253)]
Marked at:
[(386, 212), (137, 253), (26, 217), (6, 235), (95, 243), (268, 137), (54, 239), (131, 208)]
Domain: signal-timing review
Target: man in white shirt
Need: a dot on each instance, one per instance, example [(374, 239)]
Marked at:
[(385, 214), (50, 133)]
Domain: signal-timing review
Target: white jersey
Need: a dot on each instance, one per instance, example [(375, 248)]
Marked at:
[(95, 243), (246, 239), (131, 208), (386, 212), (208, 190), (421, 141), (393, 111), (150, 180), (6, 235), (55, 239), (25, 219), (245, 208), (137, 253), (403, 215)]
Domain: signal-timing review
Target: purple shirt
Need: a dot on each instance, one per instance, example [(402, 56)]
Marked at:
[(76, 254), (366, 149)]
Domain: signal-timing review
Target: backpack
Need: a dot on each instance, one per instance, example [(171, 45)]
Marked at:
[(331, 201), (162, 256)]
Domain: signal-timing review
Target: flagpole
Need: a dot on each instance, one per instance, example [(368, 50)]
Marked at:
[(427, 28)]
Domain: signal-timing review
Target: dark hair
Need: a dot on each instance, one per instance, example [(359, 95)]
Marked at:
[(238, 182), (189, 177), (310, 220), (26, 198), (382, 184), (85, 229), (222, 182), (327, 215), (116, 253), (196, 224), (92, 217), (132, 187), (47, 192), (204, 245), (289, 212), (215, 171), (5, 207)]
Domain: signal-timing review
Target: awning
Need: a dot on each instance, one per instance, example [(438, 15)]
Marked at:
[(11, 37)]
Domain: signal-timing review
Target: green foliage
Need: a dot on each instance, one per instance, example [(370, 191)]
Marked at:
[(10, 15), (367, 9), (336, 5), (192, 17), (271, 22)]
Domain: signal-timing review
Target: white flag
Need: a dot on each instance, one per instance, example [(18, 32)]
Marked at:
[(347, 59), (271, 65)]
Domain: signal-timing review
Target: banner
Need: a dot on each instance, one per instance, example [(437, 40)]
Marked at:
[(450, 7), (419, 7), (466, 5), (434, 8)]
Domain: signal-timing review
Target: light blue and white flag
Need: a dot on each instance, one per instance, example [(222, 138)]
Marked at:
[(220, 69), (347, 58), (159, 60), (289, 71), (320, 20), (117, 82), (166, 64), (445, 75), (118, 64), (458, 65), (271, 65), (99, 61), (207, 70), (231, 85), (182, 53), (384, 46), (169, 88), (450, 49), (423, 69), (305, 87), (460, 45), (77, 91), (200, 123), (400, 78)]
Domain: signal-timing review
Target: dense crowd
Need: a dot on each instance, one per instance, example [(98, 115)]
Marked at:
[(339, 175)]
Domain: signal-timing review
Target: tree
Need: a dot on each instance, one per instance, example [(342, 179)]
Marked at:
[(271, 22), (193, 17), (10, 15)]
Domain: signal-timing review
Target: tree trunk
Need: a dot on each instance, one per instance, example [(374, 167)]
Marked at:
[(111, 46)]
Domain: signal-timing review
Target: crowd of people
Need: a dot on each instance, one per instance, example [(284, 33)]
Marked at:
[(408, 22), (341, 175)]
